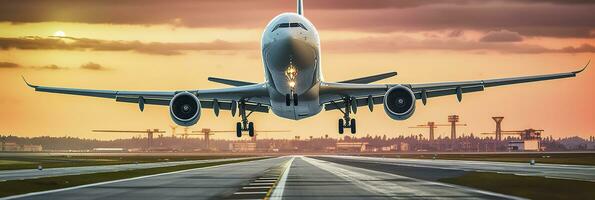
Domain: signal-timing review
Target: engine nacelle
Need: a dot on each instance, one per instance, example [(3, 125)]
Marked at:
[(399, 102), (184, 109)]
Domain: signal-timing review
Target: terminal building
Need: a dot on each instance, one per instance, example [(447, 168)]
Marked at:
[(524, 145), (530, 141), (351, 146), (242, 147)]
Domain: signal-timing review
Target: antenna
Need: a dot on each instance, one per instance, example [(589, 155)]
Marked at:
[(300, 7)]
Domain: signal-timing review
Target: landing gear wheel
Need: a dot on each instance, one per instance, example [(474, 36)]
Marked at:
[(295, 99), (251, 129), (353, 126), (239, 129), (287, 100), (341, 126)]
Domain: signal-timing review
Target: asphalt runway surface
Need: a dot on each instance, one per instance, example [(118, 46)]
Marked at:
[(434, 169), (291, 177), (34, 173)]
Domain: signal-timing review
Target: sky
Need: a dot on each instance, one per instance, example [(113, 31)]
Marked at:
[(176, 45)]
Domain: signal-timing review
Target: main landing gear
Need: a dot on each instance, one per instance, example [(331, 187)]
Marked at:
[(244, 125), (347, 121)]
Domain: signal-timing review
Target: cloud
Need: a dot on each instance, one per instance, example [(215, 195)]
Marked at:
[(9, 65), (496, 41), (456, 33), (86, 66), (158, 48), (49, 67), (580, 49), (549, 18), (501, 36), (404, 43), (92, 66)]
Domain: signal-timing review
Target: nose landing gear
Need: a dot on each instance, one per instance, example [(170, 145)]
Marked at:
[(291, 97)]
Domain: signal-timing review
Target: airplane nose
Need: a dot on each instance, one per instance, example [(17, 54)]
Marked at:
[(290, 36)]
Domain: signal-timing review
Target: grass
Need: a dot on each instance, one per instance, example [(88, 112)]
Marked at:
[(31, 162), (526, 186), (15, 187), (551, 158)]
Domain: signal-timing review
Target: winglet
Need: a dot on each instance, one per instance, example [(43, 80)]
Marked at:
[(583, 69), (28, 84)]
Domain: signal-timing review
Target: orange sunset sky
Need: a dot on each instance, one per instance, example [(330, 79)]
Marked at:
[(174, 45)]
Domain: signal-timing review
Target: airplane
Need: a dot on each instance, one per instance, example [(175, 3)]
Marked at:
[(294, 87)]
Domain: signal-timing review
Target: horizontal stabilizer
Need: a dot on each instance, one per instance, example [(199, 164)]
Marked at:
[(370, 79), (230, 82)]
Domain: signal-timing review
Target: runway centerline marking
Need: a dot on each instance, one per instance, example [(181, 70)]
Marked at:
[(280, 187)]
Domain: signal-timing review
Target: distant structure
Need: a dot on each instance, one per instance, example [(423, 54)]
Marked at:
[(529, 139), (32, 148), (432, 126), (498, 132), (242, 147), (351, 146), (173, 130), (206, 133), (149, 133), (10, 146), (109, 150), (3, 140), (453, 119)]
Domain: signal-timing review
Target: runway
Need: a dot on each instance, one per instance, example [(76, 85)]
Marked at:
[(434, 169), (34, 173), (281, 178)]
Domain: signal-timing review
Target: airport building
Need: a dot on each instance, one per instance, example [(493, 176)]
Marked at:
[(32, 147), (351, 146), (109, 150), (403, 146), (10, 146), (524, 145), (242, 147)]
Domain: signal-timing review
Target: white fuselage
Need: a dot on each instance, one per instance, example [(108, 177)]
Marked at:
[(291, 57)]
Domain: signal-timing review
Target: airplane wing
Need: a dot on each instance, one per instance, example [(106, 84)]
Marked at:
[(333, 95), (255, 95), (229, 81), (370, 79)]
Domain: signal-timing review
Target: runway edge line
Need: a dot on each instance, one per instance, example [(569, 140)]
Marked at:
[(114, 181)]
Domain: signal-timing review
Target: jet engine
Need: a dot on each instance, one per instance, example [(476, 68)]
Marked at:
[(184, 109), (399, 102)]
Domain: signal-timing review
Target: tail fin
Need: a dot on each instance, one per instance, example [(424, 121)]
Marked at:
[(300, 7)]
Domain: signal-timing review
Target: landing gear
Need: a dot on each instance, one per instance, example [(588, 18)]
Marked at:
[(288, 100), (291, 97), (295, 99), (353, 126), (251, 129), (244, 125), (239, 129), (347, 121)]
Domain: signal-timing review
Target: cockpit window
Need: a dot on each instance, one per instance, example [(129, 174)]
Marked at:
[(288, 25)]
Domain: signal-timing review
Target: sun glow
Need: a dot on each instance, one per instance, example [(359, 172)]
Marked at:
[(59, 34)]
